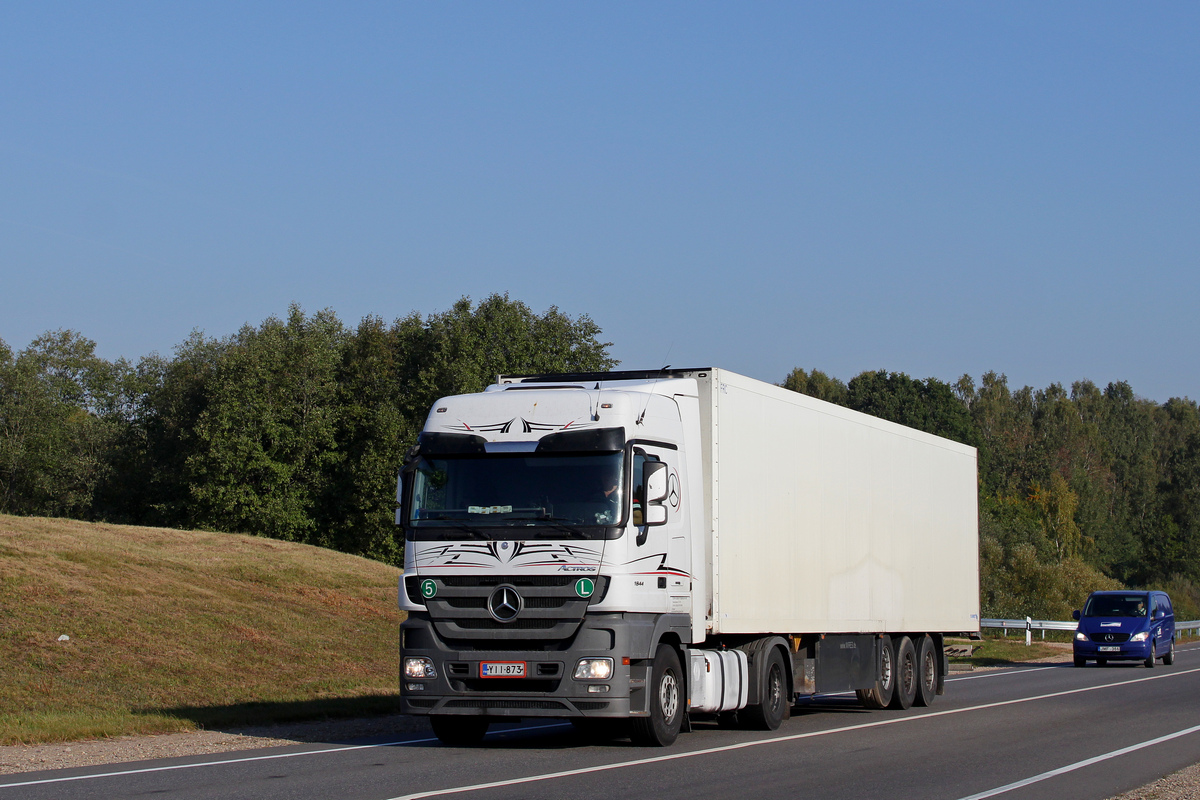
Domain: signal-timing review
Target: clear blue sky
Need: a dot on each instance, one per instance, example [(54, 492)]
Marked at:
[(936, 189)]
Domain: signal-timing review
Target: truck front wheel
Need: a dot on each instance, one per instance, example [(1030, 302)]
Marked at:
[(661, 728)]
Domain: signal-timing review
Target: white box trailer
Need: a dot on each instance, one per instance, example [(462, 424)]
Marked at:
[(828, 520), (654, 545)]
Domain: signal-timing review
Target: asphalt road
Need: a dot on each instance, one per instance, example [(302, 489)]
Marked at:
[(1031, 733)]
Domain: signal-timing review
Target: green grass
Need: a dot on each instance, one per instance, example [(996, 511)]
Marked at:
[(997, 651), (175, 630)]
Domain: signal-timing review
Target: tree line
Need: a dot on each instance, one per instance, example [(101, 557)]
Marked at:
[(296, 429)]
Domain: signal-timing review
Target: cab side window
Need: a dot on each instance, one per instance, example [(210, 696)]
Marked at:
[(639, 483)]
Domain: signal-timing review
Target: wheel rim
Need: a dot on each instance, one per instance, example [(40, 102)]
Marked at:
[(668, 695), (930, 673), (885, 670), (775, 686)]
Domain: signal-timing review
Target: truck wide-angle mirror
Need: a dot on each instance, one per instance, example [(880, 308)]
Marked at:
[(655, 476), (656, 481)]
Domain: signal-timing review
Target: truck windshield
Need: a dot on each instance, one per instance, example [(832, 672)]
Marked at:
[(576, 495), (1116, 605)]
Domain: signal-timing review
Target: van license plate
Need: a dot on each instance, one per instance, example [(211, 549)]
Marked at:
[(502, 669), (1108, 649)]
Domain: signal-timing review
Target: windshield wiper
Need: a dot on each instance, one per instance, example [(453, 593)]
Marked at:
[(460, 526)]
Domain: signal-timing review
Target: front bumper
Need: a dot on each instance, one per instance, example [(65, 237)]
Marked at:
[(1126, 651), (548, 688)]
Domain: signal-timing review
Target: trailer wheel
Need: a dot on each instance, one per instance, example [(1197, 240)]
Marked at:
[(459, 731), (661, 728), (927, 672), (906, 675), (773, 709), (879, 695)]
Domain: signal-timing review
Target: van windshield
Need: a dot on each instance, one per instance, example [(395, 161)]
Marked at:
[(1116, 605)]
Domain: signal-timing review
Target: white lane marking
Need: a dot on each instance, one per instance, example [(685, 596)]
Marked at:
[(776, 740), (1080, 764), (272, 757), (999, 673)]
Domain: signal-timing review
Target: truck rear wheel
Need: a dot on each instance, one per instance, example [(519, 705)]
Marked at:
[(775, 698), (661, 728), (459, 731), (927, 672), (906, 674), (880, 695)]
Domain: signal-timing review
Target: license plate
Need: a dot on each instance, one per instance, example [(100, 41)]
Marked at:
[(1108, 649), (502, 669)]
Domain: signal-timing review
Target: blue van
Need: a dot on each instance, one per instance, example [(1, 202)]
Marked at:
[(1125, 626)]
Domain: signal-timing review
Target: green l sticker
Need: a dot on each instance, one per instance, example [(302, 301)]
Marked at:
[(584, 587)]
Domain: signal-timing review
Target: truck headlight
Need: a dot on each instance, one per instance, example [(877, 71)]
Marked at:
[(594, 669), (1140, 637), (419, 667), (1080, 636)]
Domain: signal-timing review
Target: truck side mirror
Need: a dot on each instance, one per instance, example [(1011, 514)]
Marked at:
[(655, 476), (1075, 615)]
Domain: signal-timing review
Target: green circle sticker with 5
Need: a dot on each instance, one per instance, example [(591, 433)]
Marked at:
[(428, 588)]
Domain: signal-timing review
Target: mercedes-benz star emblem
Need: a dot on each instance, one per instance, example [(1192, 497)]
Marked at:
[(504, 604), (1108, 637)]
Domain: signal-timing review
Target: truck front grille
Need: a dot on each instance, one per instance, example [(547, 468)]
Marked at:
[(550, 608)]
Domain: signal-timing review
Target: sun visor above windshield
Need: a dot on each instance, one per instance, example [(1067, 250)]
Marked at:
[(451, 444), (605, 440)]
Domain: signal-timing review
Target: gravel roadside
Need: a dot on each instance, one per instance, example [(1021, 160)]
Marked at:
[(1183, 785)]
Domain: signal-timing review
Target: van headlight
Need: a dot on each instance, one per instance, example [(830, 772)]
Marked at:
[(1080, 636), (1140, 637)]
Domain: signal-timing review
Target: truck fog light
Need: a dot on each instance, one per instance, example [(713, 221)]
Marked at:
[(1080, 636), (419, 667), (414, 687), (1140, 637), (598, 688), (594, 669)]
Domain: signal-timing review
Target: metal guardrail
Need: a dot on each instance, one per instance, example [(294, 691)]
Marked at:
[(1029, 625)]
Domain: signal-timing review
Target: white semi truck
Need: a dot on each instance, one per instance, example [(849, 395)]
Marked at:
[(656, 546)]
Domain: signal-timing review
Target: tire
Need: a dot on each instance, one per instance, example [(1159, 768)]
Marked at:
[(1080, 662), (775, 695), (1169, 658), (661, 728), (927, 672), (906, 675), (1101, 662), (880, 695), (1150, 659), (459, 731)]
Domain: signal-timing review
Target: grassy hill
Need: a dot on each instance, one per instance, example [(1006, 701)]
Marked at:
[(172, 630)]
